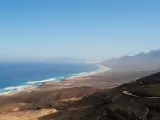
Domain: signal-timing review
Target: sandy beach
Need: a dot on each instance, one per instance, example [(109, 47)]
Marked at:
[(74, 81), (21, 104), (52, 96)]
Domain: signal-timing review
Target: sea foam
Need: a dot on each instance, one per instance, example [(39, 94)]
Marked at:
[(40, 82)]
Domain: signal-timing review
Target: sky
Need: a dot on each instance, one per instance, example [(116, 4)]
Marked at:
[(88, 29)]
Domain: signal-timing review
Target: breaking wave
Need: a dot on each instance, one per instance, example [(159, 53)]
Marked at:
[(40, 82)]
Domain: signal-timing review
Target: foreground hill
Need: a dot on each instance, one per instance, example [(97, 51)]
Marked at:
[(137, 100), (32, 105), (140, 62)]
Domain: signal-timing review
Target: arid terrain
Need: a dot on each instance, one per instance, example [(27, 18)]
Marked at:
[(96, 97)]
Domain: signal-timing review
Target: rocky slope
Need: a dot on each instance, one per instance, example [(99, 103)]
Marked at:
[(113, 104)]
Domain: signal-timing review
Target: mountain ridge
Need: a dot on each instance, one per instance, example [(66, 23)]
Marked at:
[(142, 61)]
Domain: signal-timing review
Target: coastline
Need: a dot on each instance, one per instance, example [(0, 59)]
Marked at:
[(33, 100), (77, 77), (102, 69)]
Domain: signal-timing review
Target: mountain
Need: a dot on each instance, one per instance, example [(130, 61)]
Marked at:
[(140, 62), (66, 60), (138, 100), (4, 58)]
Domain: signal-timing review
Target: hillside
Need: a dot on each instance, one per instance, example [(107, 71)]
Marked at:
[(31, 105), (137, 100), (140, 62)]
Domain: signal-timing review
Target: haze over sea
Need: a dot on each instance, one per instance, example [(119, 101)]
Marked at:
[(16, 76)]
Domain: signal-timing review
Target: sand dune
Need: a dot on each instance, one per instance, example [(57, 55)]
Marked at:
[(26, 115)]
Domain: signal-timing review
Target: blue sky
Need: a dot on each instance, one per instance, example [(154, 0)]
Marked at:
[(89, 29)]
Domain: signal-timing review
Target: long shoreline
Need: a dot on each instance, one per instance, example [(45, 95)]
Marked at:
[(102, 69)]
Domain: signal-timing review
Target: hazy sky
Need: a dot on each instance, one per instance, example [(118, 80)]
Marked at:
[(90, 29)]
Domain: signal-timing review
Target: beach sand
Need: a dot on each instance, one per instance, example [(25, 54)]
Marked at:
[(83, 79), (30, 103), (26, 115), (52, 96)]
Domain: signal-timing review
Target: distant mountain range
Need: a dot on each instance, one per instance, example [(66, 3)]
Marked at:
[(140, 62), (41, 59), (66, 60)]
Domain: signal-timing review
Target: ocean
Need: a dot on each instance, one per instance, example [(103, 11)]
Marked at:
[(16, 76)]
